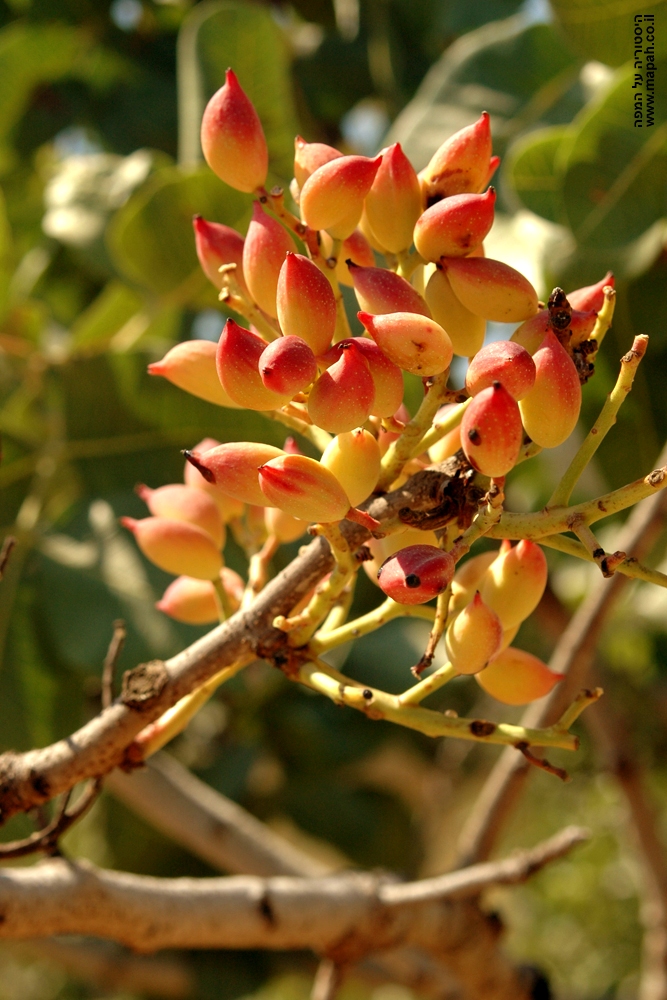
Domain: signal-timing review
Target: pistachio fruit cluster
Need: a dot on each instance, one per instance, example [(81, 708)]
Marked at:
[(293, 357)]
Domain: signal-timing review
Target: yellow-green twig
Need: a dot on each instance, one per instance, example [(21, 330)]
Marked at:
[(441, 427), (175, 719), (628, 567), (400, 450), (603, 424), (605, 316), (436, 680), (551, 522), (365, 624), (381, 705), (314, 434)]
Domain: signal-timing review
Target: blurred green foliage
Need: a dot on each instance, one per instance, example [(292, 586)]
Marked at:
[(98, 275)]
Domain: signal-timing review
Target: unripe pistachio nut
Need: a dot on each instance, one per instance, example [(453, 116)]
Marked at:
[(491, 431), (332, 197), (342, 397), (185, 503), (232, 468), (514, 582), (491, 289), (217, 245), (308, 156), (465, 329), (502, 361), (237, 360), (468, 578), (287, 365), (591, 296), (283, 526), (473, 637), (462, 163), (394, 202), (232, 138), (416, 574), (454, 226), (515, 677), (264, 250), (354, 458), (190, 366), (229, 507), (387, 377), (303, 488), (413, 342), (382, 548), (381, 291), (551, 409), (176, 546), (305, 301)]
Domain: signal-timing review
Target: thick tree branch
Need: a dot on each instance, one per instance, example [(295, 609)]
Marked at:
[(343, 916), (32, 778)]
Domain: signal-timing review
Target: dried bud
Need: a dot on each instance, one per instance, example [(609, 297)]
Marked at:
[(387, 377), (217, 245), (333, 196), (190, 365), (287, 365), (229, 507), (342, 398), (413, 342), (394, 202), (491, 289), (232, 468), (465, 330), (354, 458), (474, 637), (237, 359), (264, 251), (381, 291), (308, 156), (455, 226), (283, 526), (184, 503), (505, 362), (416, 574), (531, 334), (516, 677), (303, 488), (591, 296), (514, 582), (461, 165), (306, 303), (581, 325), (232, 138), (176, 546), (491, 431), (551, 409)]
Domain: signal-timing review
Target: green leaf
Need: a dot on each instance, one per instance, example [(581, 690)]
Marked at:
[(604, 30), (246, 37), (30, 54), (614, 175), (113, 308), (520, 74), (151, 240), (530, 169)]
